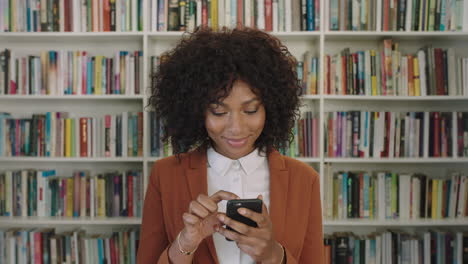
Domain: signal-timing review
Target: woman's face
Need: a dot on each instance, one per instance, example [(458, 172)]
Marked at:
[(236, 122)]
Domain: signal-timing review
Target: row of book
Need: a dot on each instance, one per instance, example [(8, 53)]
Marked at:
[(43, 193), (267, 15), (48, 246), (402, 15), (58, 134), (71, 73), (308, 73), (430, 71), (396, 134), (354, 15), (306, 141), (450, 247), (71, 16), (388, 195), (157, 147)]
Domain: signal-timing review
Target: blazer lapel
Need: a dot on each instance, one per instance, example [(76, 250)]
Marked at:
[(279, 181), (197, 179)]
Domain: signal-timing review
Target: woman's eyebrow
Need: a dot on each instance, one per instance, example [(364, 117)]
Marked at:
[(250, 101), (244, 103)]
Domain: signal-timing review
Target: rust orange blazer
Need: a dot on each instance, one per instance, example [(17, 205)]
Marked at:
[(295, 208)]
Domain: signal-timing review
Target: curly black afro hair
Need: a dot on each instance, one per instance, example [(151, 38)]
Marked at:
[(201, 70)]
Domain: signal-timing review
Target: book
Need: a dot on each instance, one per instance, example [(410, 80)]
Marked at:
[(49, 245), (269, 15), (377, 194), (430, 71), (54, 134)]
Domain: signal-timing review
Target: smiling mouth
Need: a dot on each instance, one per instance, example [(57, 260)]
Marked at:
[(237, 142)]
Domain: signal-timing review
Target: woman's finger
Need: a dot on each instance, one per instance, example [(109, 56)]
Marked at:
[(208, 203), (223, 195), (264, 208), (234, 236), (190, 219), (262, 220), (198, 209), (238, 226)]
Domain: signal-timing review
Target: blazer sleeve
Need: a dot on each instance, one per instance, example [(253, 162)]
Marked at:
[(312, 250), (154, 245)]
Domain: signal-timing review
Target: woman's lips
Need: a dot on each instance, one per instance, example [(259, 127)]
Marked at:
[(237, 143)]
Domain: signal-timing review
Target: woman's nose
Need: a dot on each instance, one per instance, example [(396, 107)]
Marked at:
[(236, 123)]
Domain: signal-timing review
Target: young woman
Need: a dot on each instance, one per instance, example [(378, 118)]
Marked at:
[(228, 101)]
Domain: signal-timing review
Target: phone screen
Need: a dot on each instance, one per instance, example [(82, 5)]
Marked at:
[(231, 211)]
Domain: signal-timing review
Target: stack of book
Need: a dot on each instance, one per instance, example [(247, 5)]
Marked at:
[(401, 15), (430, 71), (71, 16), (71, 73), (157, 147), (43, 193), (268, 15), (306, 137), (397, 247), (58, 134), (396, 134), (387, 195), (308, 74), (48, 246), (353, 15)]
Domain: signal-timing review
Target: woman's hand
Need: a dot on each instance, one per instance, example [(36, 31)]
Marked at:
[(259, 243), (200, 221)]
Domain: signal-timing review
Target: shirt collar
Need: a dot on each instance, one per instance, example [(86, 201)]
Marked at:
[(221, 164)]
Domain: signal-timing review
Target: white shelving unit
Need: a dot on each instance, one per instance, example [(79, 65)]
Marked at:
[(154, 43)]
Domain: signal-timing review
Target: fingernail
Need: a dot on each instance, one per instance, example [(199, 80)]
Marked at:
[(241, 211), (221, 218)]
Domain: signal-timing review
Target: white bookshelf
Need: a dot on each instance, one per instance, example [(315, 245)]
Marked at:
[(154, 43)]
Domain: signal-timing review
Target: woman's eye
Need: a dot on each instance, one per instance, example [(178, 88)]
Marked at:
[(251, 112), (218, 113)]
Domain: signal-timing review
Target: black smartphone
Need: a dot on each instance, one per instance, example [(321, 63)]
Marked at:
[(231, 211)]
